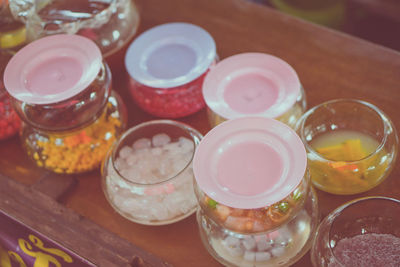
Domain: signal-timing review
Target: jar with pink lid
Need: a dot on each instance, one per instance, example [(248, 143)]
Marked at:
[(61, 89), (257, 207), (9, 120), (253, 84), (167, 65)]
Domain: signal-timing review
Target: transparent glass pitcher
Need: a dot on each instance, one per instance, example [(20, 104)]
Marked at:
[(109, 23)]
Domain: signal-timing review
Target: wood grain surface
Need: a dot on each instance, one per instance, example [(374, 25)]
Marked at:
[(330, 65)]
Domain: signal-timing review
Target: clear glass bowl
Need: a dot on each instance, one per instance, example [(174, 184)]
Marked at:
[(351, 145), (110, 24), (362, 232), (281, 246), (147, 176)]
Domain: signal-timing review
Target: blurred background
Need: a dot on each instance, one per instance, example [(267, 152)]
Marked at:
[(377, 21)]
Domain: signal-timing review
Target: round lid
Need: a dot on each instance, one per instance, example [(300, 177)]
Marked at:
[(170, 55), (251, 84), (52, 69), (250, 162)]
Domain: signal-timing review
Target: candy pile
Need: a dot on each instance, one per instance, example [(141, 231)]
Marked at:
[(255, 220), (274, 247), (75, 151), (169, 102), (368, 250), (9, 120), (156, 186)]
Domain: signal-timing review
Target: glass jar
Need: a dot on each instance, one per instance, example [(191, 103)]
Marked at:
[(167, 65), (253, 84), (148, 177), (62, 91), (256, 204), (12, 31), (351, 145), (110, 24), (9, 120), (362, 232)]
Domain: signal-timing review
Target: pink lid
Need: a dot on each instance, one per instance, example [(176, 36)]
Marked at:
[(250, 162), (251, 84), (52, 69)]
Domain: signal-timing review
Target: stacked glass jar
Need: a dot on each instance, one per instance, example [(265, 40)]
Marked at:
[(256, 204), (253, 84), (62, 91), (167, 65), (110, 24)]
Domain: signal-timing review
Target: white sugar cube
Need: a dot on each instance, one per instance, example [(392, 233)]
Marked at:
[(160, 139), (142, 143), (262, 256)]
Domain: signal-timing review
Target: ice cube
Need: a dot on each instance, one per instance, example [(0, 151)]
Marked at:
[(249, 255), (142, 143), (262, 256), (249, 243), (160, 139), (125, 152)]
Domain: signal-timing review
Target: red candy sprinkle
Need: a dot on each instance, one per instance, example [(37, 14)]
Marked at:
[(173, 102), (9, 120)]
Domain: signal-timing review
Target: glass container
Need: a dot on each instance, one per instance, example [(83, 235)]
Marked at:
[(147, 176), (110, 24), (351, 145), (256, 204), (167, 65), (362, 232), (62, 91), (253, 84), (9, 120), (12, 31)]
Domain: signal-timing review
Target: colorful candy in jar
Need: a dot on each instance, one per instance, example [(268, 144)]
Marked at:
[(252, 184), (9, 120), (71, 115), (148, 175), (167, 65), (253, 84)]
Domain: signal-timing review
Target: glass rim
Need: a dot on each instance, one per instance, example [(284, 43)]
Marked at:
[(332, 216), (183, 126), (384, 119)]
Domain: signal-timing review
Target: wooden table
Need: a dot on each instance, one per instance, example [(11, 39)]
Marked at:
[(330, 65)]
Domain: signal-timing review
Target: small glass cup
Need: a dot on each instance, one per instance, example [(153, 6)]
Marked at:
[(167, 65), (351, 145), (253, 84), (110, 24), (147, 176), (362, 232)]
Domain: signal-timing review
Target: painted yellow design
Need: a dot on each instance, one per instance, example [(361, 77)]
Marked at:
[(42, 259), (6, 258)]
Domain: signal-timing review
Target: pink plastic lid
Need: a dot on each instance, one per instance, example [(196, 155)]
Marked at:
[(250, 162), (251, 84), (170, 55), (52, 69)]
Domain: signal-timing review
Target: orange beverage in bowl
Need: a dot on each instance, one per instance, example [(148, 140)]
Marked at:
[(351, 145)]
